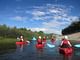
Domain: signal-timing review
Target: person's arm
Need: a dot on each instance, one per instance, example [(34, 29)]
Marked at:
[(22, 40), (69, 43), (61, 43)]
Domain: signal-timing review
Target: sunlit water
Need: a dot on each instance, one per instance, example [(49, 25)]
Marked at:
[(29, 52)]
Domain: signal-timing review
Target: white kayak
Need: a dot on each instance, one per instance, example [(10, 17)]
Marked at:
[(50, 45)]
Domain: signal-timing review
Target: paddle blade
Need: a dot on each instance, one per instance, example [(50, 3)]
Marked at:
[(77, 45), (50, 45)]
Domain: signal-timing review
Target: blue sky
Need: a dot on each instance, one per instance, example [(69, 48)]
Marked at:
[(50, 16)]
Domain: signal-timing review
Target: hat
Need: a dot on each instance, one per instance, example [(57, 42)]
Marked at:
[(21, 36), (40, 37), (66, 37)]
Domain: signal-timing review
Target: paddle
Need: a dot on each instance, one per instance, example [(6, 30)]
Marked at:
[(50, 45), (34, 38), (77, 45)]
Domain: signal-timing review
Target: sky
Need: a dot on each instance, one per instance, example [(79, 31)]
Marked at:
[(50, 16)]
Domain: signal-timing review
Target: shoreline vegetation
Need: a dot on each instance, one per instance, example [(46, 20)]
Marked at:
[(8, 35), (8, 32), (7, 43)]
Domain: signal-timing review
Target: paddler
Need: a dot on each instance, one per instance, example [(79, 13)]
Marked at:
[(39, 41), (44, 39), (39, 44), (21, 38), (65, 43), (52, 39)]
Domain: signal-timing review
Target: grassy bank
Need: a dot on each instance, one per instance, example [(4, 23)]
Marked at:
[(7, 43)]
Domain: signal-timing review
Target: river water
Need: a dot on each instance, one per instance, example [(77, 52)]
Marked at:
[(29, 52)]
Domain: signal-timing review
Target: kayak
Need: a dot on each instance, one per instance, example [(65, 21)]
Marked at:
[(39, 46), (50, 45), (20, 42), (66, 50), (27, 41), (77, 45)]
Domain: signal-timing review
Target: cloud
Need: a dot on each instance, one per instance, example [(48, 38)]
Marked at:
[(72, 18), (54, 24), (50, 11), (54, 11), (53, 31), (38, 13), (37, 29), (46, 30), (54, 17), (18, 18)]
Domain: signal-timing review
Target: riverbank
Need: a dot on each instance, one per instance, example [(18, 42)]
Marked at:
[(7, 43), (74, 36)]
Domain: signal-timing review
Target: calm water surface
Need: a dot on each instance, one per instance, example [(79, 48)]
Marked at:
[(29, 52)]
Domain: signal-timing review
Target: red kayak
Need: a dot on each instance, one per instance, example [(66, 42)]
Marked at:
[(66, 50), (39, 46), (20, 42)]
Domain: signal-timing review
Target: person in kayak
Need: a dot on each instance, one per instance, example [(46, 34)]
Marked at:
[(39, 41), (44, 39), (52, 39), (65, 43), (21, 38), (39, 44)]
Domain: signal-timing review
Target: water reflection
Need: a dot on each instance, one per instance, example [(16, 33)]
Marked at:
[(29, 52), (77, 52), (39, 52), (20, 47), (67, 57)]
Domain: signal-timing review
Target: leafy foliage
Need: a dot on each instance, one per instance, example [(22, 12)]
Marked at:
[(14, 32), (72, 28)]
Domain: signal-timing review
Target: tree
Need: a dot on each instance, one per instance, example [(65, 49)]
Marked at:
[(72, 28)]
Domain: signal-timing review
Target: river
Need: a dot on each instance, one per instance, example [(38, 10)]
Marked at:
[(29, 52)]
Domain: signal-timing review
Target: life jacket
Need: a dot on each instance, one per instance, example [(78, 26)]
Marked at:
[(65, 42), (39, 41), (44, 39)]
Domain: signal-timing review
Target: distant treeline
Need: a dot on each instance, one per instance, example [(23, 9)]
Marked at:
[(14, 32), (72, 28)]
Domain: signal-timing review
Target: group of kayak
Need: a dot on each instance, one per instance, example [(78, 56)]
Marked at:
[(65, 46)]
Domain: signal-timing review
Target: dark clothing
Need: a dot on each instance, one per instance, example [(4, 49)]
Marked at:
[(65, 46)]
